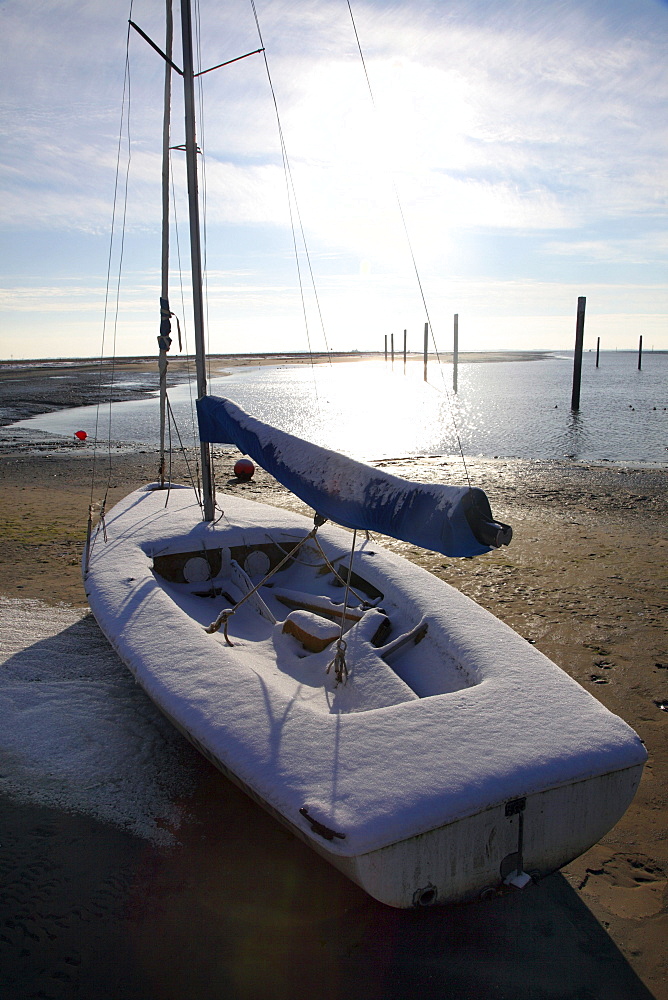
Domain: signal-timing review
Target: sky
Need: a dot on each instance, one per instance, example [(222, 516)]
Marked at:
[(513, 158)]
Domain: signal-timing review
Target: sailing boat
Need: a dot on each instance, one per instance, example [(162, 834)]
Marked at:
[(409, 737)]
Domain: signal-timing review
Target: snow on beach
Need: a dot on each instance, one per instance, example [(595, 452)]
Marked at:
[(78, 734)]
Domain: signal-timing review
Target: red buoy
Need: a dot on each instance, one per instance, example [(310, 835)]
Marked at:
[(81, 435), (244, 469)]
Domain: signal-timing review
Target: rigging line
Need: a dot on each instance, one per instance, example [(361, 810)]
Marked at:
[(308, 260), (359, 46), (339, 662), (411, 252), (188, 355), (296, 250), (117, 298), (291, 185), (169, 473), (286, 173), (203, 195), (125, 118), (195, 483), (288, 180), (307, 254)]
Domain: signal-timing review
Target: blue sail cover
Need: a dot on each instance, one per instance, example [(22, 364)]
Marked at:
[(353, 494)]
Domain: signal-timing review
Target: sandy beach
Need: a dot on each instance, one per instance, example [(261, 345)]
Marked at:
[(233, 906)]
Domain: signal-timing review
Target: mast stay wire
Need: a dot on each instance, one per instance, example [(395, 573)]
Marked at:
[(125, 143), (123, 131), (412, 254), (195, 479), (203, 193), (184, 311), (292, 198)]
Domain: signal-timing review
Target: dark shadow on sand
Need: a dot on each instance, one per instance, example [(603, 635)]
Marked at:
[(241, 909)]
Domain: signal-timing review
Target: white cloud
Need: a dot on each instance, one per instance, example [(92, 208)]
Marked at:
[(651, 248), (522, 118)]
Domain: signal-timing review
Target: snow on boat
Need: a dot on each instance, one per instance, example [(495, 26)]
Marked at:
[(408, 736), (454, 757)]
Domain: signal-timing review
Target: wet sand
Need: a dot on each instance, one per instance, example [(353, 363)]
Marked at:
[(238, 907)]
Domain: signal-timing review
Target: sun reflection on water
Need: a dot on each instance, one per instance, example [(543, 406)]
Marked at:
[(372, 410)]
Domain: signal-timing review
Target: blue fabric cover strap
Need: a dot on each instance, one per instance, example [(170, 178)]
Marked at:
[(454, 520)]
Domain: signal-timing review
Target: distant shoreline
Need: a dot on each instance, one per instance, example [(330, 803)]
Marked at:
[(30, 388), (10, 366), (270, 357)]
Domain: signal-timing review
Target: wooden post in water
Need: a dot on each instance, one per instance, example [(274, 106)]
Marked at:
[(640, 354), (426, 348), (577, 359), (455, 353), (598, 348), (385, 347), (392, 348), (404, 352)]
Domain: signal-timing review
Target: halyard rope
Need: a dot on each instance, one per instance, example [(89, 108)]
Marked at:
[(330, 566), (227, 613), (339, 661), (338, 575), (412, 255), (124, 127), (292, 198)]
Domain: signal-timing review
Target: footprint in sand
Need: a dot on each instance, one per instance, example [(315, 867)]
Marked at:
[(627, 885)]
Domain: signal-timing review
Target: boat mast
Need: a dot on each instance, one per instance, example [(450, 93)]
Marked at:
[(208, 488), (164, 340)]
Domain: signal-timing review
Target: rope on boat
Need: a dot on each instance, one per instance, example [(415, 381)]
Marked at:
[(339, 661), (292, 199), (225, 615), (99, 507), (362, 600), (330, 566), (111, 299), (111, 312), (172, 420), (187, 355)]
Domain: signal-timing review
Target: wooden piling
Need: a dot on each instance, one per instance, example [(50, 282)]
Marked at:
[(577, 359), (640, 354), (404, 352), (426, 348), (455, 353), (392, 348), (598, 348)]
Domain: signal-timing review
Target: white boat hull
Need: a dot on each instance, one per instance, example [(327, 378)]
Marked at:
[(473, 858), (469, 760)]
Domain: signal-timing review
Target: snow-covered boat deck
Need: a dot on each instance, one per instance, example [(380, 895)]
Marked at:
[(515, 724), (461, 723)]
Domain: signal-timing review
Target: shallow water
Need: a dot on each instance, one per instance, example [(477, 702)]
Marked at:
[(370, 410)]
